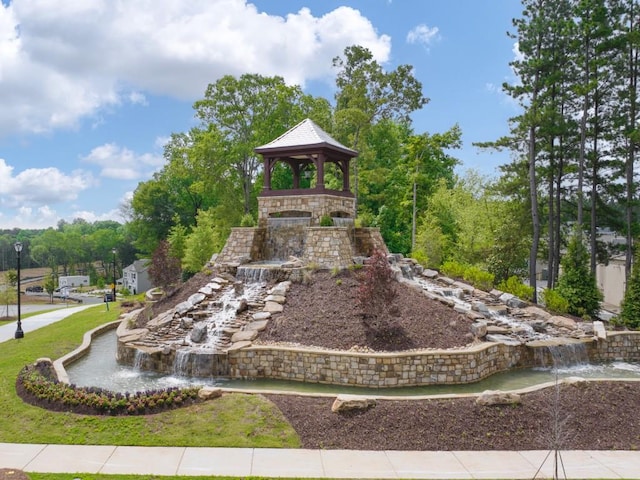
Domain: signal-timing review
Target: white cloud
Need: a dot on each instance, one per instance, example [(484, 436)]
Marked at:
[(30, 218), (63, 61), (40, 186), (424, 35), (121, 163), (93, 217)]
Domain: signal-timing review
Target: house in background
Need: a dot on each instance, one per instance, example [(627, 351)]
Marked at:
[(70, 281), (135, 277)]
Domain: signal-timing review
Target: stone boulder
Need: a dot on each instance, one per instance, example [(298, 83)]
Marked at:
[(344, 403), (209, 393), (490, 398), (198, 334)]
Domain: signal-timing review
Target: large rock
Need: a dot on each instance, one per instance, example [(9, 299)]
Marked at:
[(562, 322), (343, 403), (273, 307), (198, 334), (479, 329), (244, 336), (490, 398), (208, 393)]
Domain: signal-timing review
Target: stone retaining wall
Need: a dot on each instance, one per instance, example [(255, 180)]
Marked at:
[(328, 247), (244, 242), (618, 346), (428, 367), (317, 205), (379, 370), (382, 370)]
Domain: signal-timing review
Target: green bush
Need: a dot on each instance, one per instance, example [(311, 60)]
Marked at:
[(326, 221), (453, 269), (630, 311), (247, 220), (576, 283), (420, 257), (479, 278), (514, 286), (554, 302)]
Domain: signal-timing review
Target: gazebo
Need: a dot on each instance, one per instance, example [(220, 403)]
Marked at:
[(306, 149), (290, 220)]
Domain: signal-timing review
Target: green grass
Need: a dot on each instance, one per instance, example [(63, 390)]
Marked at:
[(234, 420)]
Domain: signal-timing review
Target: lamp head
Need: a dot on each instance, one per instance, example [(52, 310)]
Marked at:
[(18, 246)]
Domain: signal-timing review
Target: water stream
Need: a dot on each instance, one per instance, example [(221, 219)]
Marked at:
[(100, 369)]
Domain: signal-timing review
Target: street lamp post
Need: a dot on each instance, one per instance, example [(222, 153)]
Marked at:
[(19, 332), (114, 274)]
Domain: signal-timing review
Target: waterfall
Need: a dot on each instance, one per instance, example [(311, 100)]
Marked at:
[(257, 273), (182, 363), (139, 359), (285, 237), (562, 356), (342, 221)]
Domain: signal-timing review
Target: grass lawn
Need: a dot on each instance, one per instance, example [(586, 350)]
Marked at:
[(234, 420)]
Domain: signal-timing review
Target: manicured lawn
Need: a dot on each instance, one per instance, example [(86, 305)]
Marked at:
[(233, 420)]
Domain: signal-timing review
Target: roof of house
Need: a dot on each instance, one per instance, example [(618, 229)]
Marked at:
[(306, 133), (139, 265)]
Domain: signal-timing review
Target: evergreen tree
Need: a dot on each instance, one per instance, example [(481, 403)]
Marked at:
[(630, 313), (577, 284)]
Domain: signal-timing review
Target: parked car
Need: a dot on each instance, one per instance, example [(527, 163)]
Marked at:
[(35, 289)]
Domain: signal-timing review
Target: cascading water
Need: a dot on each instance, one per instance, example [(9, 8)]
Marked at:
[(562, 356), (139, 359), (205, 354), (285, 237)]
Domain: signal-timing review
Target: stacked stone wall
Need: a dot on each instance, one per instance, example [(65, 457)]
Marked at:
[(367, 240), (380, 370), (328, 247), (317, 205), (376, 370), (618, 346), (244, 242)]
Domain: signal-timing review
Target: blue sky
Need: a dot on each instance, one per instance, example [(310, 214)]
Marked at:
[(91, 89)]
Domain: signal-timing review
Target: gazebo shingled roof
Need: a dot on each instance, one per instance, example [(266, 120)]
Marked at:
[(302, 145)]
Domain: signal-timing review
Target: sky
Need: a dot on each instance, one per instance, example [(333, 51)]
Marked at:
[(90, 90)]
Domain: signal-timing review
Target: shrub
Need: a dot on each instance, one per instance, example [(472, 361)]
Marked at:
[(377, 290), (514, 286), (479, 278), (630, 311), (453, 269), (420, 257), (326, 221), (247, 220), (554, 302), (576, 283)]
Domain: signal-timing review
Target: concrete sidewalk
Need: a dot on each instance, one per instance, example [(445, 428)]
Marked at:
[(243, 462), (29, 324)]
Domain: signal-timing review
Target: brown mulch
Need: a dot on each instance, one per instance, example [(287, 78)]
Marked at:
[(324, 312), (13, 474)]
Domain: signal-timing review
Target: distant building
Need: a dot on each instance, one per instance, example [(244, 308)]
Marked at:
[(71, 281), (135, 277)]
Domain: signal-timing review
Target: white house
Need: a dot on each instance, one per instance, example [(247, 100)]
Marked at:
[(71, 281), (135, 277)]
